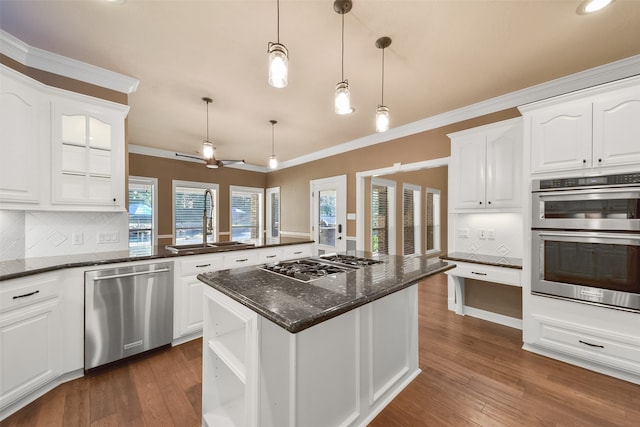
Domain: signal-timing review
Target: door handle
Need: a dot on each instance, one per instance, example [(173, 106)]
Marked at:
[(339, 228)]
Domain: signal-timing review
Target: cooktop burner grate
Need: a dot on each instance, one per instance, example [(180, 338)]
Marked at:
[(351, 260), (308, 269)]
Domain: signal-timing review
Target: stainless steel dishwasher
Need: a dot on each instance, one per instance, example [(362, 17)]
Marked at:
[(128, 310)]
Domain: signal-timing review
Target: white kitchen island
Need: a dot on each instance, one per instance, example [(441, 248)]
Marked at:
[(332, 352)]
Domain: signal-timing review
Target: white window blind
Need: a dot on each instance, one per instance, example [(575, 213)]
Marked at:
[(189, 209), (411, 219), (379, 219), (142, 215), (246, 214)]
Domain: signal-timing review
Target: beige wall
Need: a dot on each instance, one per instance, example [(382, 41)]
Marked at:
[(294, 181), (493, 297), (435, 178), (167, 170)]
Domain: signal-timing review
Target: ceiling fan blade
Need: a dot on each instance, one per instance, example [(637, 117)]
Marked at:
[(189, 157), (231, 162)]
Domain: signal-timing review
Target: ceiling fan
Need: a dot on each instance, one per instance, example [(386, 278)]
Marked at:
[(209, 150)]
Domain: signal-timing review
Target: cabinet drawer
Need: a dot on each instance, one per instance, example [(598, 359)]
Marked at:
[(488, 273), (200, 264), (604, 347), (301, 251), (269, 255), (241, 259), (20, 292)]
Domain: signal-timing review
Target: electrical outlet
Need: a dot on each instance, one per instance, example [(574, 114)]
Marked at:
[(482, 234), (77, 238), (491, 234), (463, 233)]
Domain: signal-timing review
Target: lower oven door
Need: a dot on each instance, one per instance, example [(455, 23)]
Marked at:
[(596, 267)]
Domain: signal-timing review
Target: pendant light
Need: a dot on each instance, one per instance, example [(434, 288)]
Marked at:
[(208, 150), (278, 59), (273, 161), (343, 95), (382, 112)]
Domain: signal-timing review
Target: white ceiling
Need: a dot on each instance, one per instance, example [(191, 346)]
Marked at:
[(445, 55)]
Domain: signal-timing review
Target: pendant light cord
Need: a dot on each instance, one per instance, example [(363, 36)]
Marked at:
[(272, 140), (207, 121), (343, 46), (382, 91), (278, 20)]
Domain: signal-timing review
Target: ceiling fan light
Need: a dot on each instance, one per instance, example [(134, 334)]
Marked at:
[(212, 164), (343, 98), (278, 65), (273, 162), (382, 119), (590, 6), (208, 151)]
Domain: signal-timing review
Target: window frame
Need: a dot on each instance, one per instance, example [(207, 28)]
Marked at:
[(261, 209), (437, 231), (196, 185), (153, 182)]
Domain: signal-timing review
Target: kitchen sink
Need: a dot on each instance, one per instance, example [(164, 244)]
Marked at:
[(199, 248)]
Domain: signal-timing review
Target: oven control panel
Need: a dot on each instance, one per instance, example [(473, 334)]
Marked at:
[(587, 181)]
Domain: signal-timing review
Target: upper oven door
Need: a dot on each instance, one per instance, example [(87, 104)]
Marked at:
[(588, 209)]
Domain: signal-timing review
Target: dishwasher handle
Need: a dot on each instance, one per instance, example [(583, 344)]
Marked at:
[(137, 273)]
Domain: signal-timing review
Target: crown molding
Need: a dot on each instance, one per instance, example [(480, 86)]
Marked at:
[(166, 154), (617, 70), (57, 64)]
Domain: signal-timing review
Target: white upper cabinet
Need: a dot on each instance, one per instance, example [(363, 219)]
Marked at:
[(22, 121), (87, 154), (485, 170), (61, 150), (586, 130)]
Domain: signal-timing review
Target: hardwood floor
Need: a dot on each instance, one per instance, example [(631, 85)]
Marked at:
[(473, 374)]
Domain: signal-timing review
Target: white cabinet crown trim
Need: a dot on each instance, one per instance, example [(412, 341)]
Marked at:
[(42, 60)]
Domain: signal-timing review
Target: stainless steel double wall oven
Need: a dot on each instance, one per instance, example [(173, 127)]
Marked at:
[(586, 239)]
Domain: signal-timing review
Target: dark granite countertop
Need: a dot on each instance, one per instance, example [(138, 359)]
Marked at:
[(28, 266), (496, 260), (296, 305)]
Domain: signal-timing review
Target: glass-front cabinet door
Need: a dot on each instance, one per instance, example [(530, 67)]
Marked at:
[(88, 155)]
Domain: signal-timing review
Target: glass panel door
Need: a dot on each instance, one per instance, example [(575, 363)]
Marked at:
[(273, 215), (327, 215)]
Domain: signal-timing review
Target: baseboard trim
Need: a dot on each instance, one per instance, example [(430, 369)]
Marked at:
[(501, 319)]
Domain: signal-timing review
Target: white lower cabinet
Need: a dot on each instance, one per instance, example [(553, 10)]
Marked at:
[(31, 333), (188, 292), (597, 338), (340, 372)]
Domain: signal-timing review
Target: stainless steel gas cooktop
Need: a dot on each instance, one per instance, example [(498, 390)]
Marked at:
[(309, 269)]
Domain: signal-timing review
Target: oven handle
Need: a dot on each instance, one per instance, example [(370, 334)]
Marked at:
[(629, 239), (620, 193)]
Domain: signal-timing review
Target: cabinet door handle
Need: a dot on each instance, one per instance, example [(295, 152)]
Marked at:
[(271, 256), (203, 265), (480, 202), (584, 161), (26, 295), (590, 344), (488, 203), (297, 252), (599, 160), (479, 274), (242, 260)]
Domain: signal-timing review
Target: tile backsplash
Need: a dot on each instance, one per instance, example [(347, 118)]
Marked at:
[(27, 234), (488, 233)]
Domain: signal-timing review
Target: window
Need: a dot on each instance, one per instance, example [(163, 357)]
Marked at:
[(273, 215), (246, 214), (433, 221), (411, 229), (142, 215), (382, 216), (188, 212)]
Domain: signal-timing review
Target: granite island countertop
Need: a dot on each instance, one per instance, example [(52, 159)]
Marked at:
[(296, 305), (495, 260), (29, 266)]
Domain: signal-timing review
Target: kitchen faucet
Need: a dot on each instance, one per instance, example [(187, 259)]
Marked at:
[(207, 222)]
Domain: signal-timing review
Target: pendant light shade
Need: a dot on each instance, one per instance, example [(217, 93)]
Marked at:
[(343, 93), (273, 160), (208, 150), (278, 59), (382, 112)]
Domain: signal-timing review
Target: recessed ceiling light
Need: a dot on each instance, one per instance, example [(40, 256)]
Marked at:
[(590, 6)]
